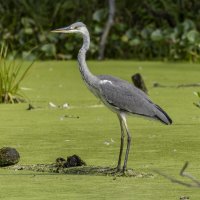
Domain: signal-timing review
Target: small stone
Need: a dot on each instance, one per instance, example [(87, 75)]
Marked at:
[(30, 107), (8, 156), (107, 143), (65, 105)]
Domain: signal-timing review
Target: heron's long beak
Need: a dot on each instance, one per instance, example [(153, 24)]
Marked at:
[(62, 30)]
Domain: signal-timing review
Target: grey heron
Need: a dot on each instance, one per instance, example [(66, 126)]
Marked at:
[(118, 95)]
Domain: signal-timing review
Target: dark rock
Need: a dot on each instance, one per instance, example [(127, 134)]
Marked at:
[(74, 161), (8, 156), (139, 82)]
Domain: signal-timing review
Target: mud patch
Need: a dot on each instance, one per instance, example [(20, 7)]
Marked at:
[(82, 170), (74, 165)]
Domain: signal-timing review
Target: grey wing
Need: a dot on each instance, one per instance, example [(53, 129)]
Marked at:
[(127, 98)]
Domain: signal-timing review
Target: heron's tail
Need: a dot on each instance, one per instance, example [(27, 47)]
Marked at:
[(162, 116)]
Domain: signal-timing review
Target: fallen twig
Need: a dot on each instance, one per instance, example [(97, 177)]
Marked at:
[(177, 86)]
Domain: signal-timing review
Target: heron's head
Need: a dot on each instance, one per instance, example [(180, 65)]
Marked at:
[(77, 27)]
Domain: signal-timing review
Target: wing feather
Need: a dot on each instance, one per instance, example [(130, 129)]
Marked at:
[(126, 97)]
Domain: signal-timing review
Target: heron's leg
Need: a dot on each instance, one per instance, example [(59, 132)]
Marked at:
[(122, 143), (128, 142)]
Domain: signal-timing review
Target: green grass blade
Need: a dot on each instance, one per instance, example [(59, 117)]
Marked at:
[(11, 76)]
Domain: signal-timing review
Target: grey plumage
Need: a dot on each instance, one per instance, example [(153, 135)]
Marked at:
[(127, 98), (118, 95)]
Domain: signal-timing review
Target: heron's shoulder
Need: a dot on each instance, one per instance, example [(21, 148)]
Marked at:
[(108, 77), (117, 84), (111, 80)]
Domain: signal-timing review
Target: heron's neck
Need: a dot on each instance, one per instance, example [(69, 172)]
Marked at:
[(87, 76)]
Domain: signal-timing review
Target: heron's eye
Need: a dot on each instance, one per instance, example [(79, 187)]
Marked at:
[(73, 27)]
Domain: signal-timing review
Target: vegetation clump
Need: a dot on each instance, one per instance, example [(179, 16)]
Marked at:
[(11, 76), (198, 103)]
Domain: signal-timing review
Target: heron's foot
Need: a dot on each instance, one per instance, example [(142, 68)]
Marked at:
[(118, 168), (124, 170)]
